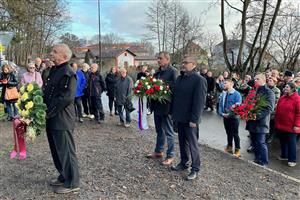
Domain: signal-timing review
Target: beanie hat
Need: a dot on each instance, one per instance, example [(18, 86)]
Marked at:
[(288, 73)]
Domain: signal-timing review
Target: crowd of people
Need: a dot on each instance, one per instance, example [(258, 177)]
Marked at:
[(280, 119), (74, 91)]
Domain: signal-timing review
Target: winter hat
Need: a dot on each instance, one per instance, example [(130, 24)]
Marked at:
[(292, 86), (288, 73)]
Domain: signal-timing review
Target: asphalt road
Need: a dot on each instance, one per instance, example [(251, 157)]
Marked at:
[(212, 133)]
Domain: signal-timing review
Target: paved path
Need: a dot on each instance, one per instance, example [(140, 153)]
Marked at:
[(212, 133)]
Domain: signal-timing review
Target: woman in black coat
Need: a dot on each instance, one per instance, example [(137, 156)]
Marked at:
[(8, 80), (111, 80)]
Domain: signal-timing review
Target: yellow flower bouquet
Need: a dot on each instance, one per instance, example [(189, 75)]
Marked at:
[(32, 109)]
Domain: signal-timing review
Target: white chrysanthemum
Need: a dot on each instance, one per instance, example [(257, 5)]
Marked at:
[(138, 91), (143, 78), (161, 87), (154, 79), (146, 83), (148, 87), (165, 92)]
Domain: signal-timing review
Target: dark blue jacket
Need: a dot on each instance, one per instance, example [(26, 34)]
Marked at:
[(81, 83), (96, 85), (189, 97), (168, 75), (261, 124)]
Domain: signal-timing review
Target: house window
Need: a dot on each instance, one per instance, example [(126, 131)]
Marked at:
[(125, 54)]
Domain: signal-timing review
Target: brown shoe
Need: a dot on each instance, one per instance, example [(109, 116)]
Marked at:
[(63, 190), (155, 155), (167, 161)]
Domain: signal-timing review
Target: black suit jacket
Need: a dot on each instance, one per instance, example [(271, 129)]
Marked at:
[(59, 94), (168, 75)]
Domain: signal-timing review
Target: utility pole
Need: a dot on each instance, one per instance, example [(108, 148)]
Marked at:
[(99, 20)]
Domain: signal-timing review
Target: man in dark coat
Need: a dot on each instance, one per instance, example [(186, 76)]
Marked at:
[(122, 97), (59, 94), (96, 86), (260, 127), (142, 73), (162, 118), (110, 80), (188, 104)]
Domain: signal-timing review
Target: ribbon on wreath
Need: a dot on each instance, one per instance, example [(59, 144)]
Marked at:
[(142, 113), (19, 129)]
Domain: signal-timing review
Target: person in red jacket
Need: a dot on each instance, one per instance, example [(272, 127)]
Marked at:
[(287, 123)]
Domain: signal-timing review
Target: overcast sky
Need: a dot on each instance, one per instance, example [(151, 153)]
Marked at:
[(127, 17)]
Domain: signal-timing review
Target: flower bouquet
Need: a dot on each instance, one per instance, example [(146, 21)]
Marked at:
[(153, 89), (32, 110), (251, 107)]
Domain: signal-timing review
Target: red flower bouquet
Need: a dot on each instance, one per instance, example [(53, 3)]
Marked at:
[(251, 107), (152, 88)]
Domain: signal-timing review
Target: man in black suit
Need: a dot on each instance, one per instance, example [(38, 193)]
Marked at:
[(188, 104), (162, 118), (59, 94)]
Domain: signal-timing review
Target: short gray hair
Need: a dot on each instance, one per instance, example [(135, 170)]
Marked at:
[(66, 49), (165, 54)]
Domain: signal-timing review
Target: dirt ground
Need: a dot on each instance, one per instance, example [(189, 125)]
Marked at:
[(113, 166)]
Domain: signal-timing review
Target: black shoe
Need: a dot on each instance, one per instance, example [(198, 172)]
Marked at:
[(80, 120), (56, 183), (250, 149), (192, 175), (178, 168), (99, 121), (116, 113)]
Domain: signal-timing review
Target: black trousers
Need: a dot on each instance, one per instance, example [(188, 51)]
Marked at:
[(232, 130), (111, 103), (63, 152), (78, 107), (188, 144), (86, 103), (97, 108)]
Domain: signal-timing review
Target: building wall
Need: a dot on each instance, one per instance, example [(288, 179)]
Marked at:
[(145, 62), (125, 57)]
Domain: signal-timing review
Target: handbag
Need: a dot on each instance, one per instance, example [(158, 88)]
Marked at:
[(11, 93), (128, 105)]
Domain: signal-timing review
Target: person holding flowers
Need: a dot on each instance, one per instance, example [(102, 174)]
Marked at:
[(189, 95), (229, 98), (287, 123), (162, 110), (258, 123), (59, 94)]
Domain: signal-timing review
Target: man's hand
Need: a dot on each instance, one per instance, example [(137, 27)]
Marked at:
[(193, 125), (225, 115), (295, 128), (4, 81)]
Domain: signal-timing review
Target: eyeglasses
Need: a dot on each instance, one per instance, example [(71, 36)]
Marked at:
[(185, 62)]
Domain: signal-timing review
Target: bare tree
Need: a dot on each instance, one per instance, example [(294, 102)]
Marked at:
[(256, 52), (34, 23)]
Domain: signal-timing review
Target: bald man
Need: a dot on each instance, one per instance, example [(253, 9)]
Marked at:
[(259, 127), (38, 64), (59, 94)]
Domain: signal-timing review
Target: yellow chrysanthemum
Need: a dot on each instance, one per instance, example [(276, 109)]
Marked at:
[(24, 97), (22, 89), (24, 113), (29, 105), (29, 87)]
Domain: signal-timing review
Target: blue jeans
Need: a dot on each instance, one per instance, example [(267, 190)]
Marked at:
[(121, 115), (260, 147), (288, 143), (164, 129), (11, 108)]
